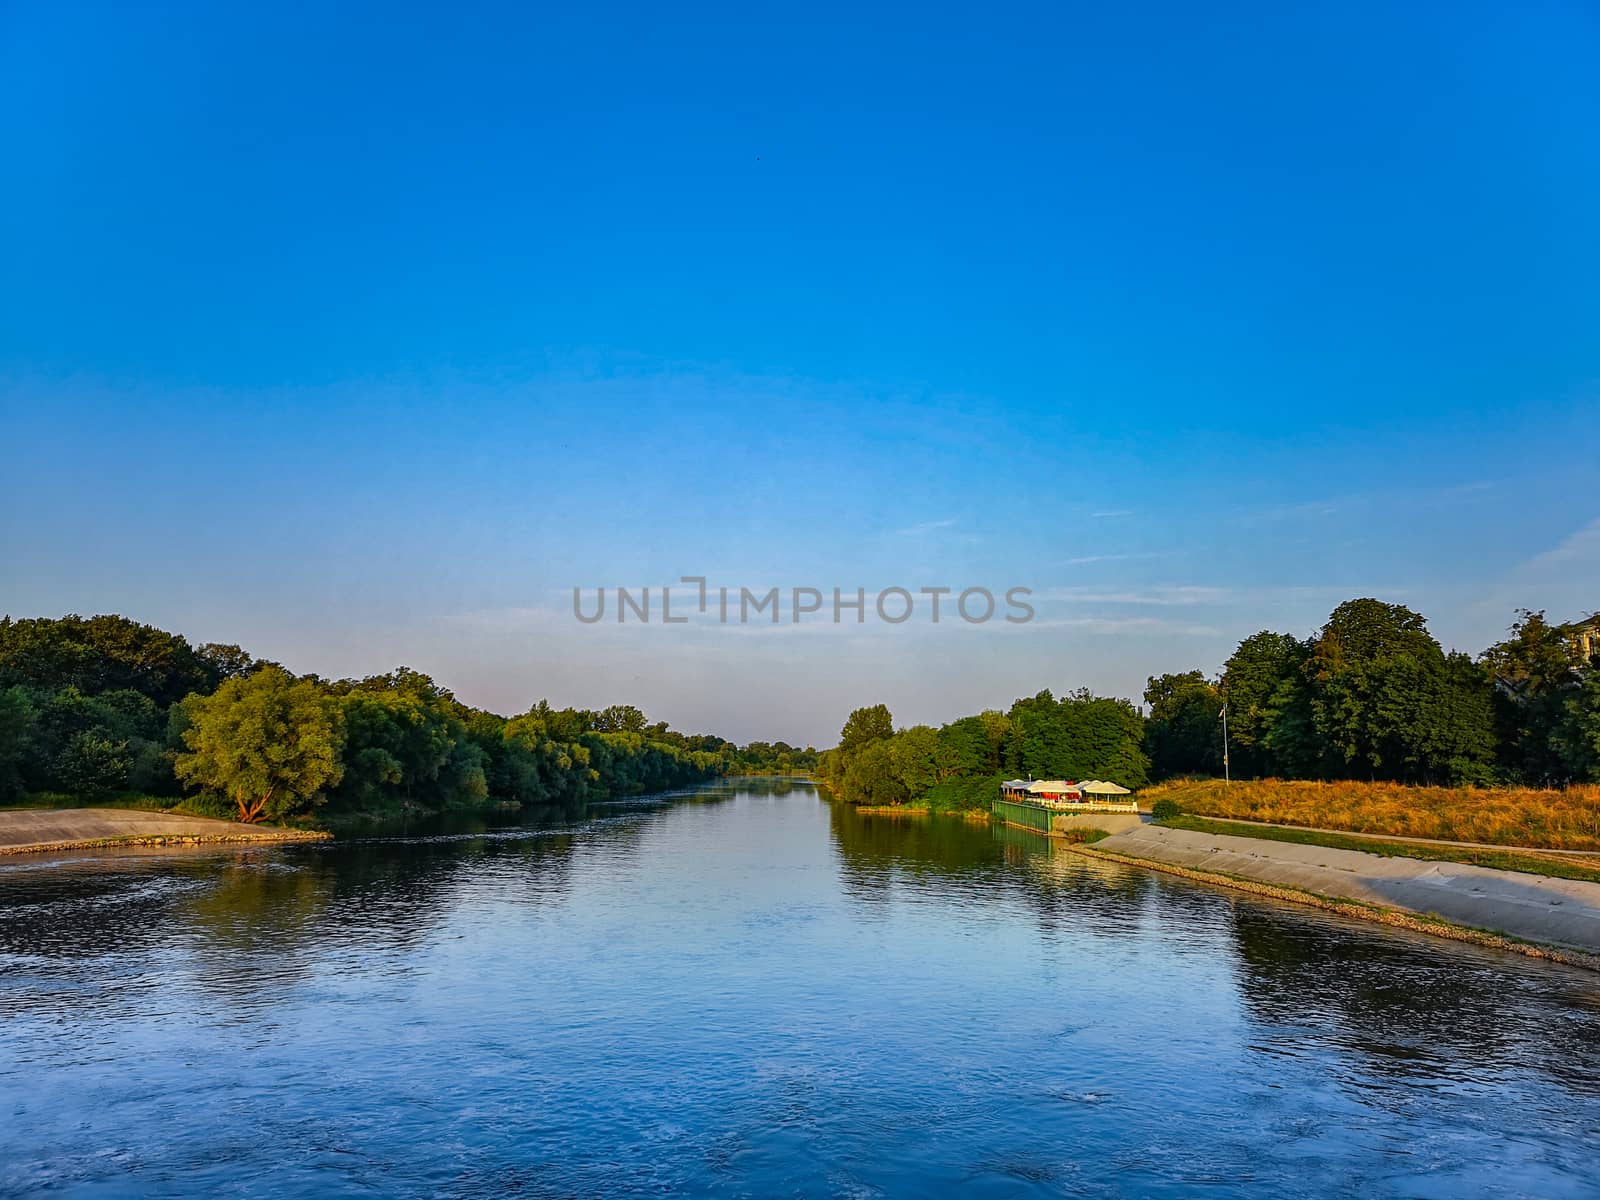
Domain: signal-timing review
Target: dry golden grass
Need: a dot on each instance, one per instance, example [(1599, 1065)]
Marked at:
[(1568, 819)]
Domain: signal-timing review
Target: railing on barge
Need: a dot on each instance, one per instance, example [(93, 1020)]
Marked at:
[(1031, 815), (1024, 816)]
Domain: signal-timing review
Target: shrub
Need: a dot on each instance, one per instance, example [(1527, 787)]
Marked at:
[(1080, 834), (1165, 809), (970, 793)]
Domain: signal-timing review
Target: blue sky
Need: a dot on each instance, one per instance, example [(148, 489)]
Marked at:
[(361, 337)]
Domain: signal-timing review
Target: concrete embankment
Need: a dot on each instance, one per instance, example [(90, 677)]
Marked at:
[(34, 831), (1110, 822), (1563, 913)]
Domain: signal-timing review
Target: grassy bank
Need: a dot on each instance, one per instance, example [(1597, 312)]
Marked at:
[(1567, 819), (1503, 860)]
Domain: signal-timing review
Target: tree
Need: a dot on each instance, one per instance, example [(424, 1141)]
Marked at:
[(101, 654), (1082, 736), (1262, 680), (93, 765), (963, 749), (1183, 734), (225, 660), (1036, 744), (1367, 630), (1456, 742), (16, 738), (268, 741), (866, 725), (400, 731), (1388, 703), (1536, 677), (619, 718), (88, 745), (1578, 734), (913, 752), (871, 777)]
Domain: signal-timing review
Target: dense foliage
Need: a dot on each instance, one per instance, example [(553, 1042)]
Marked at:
[(92, 708), (1373, 696), (959, 766), (1370, 696)]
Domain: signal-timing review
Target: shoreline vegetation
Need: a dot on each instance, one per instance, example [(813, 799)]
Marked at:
[(1366, 727), (1516, 817), (104, 710), (1371, 700)]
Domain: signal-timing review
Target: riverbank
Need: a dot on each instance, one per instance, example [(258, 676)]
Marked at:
[(1545, 917), (1564, 864), (38, 831), (974, 816)]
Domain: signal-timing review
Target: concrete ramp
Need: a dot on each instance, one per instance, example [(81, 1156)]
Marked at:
[(1533, 907), (1110, 822), (28, 830)]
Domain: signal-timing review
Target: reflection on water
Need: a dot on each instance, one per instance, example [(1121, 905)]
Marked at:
[(746, 991)]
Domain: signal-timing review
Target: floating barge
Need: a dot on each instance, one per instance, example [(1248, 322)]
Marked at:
[(1033, 804)]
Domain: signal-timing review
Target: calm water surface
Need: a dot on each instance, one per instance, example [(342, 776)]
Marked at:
[(747, 992)]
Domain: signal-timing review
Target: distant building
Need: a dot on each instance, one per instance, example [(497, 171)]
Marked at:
[(1584, 637)]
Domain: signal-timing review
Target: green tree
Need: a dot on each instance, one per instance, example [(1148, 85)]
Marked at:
[(268, 741), (1183, 733), (866, 725), (1536, 677), (100, 654), (1262, 680), (1082, 736), (93, 765), (871, 777), (225, 660), (963, 749), (1456, 742), (620, 718), (1387, 702), (1578, 735), (914, 753), (16, 738)]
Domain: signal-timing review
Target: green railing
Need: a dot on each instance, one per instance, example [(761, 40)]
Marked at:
[(1026, 816)]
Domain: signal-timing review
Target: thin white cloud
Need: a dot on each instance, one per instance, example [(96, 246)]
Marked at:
[(1120, 625), (1112, 512), (1164, 595), (1086, 559)]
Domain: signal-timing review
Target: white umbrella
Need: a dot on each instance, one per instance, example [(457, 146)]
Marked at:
[(1099, 787)]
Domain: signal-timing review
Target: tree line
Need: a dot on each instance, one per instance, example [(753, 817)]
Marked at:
[(101, 706), (1370, 696), (960, 765)]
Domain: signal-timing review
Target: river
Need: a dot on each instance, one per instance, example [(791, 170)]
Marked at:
[(746, 991)]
